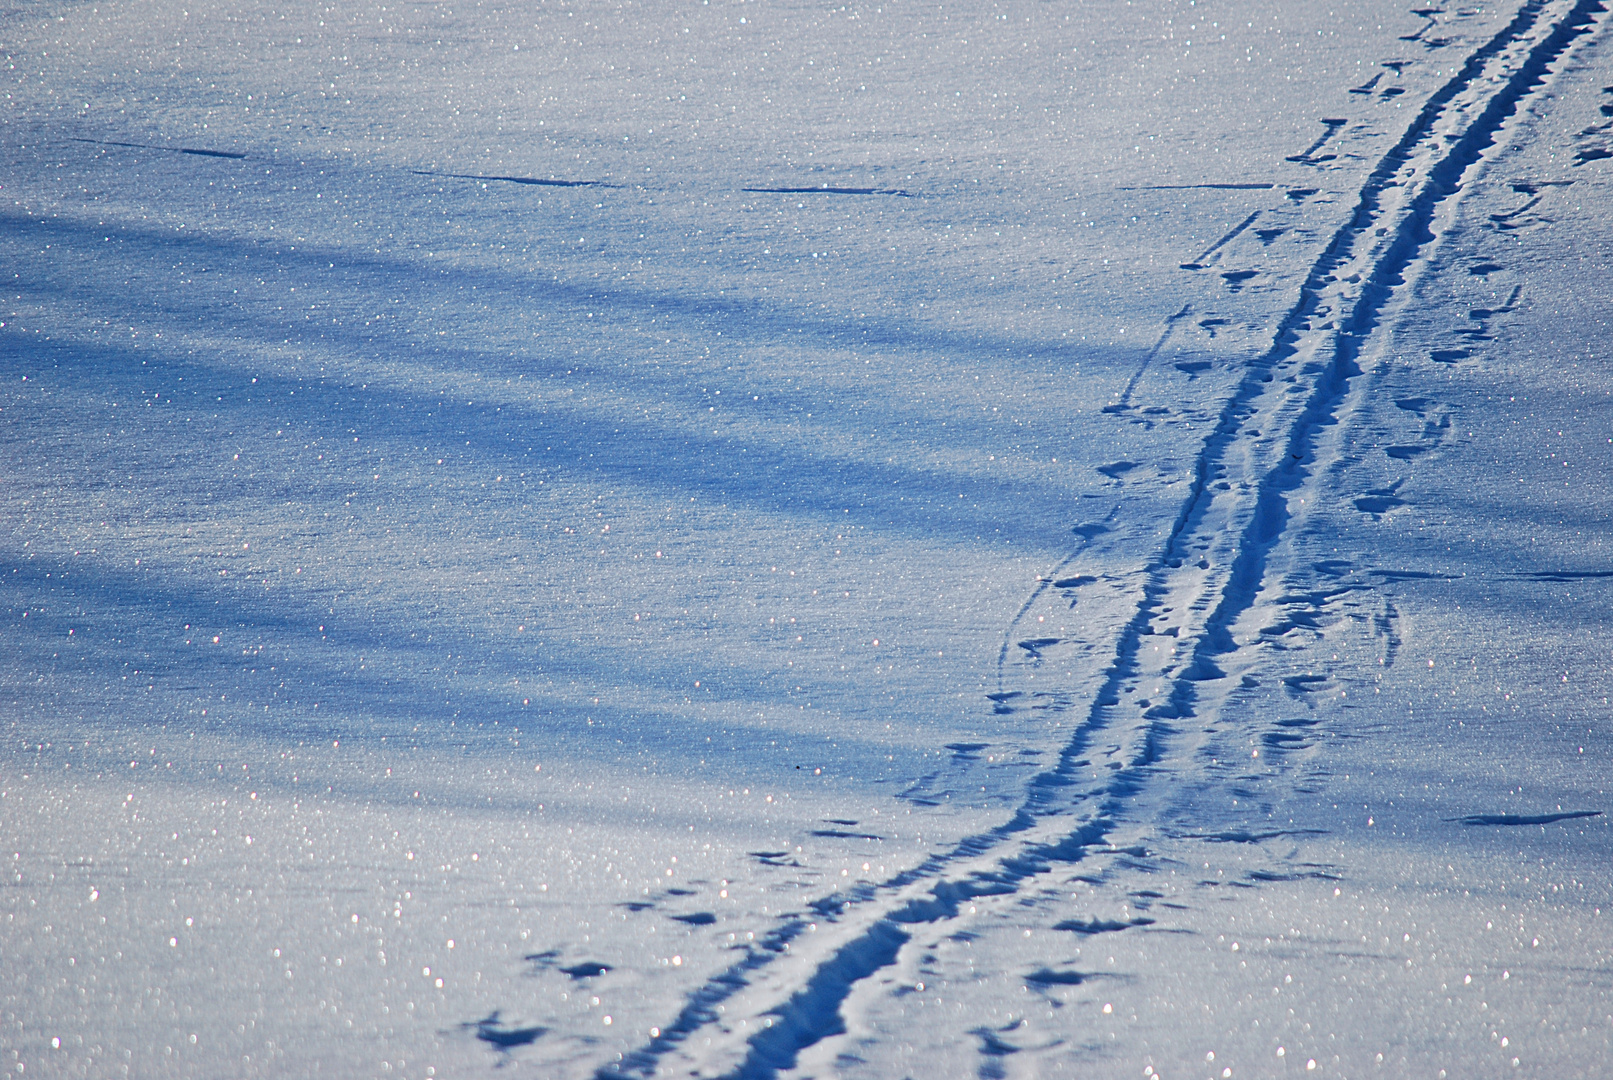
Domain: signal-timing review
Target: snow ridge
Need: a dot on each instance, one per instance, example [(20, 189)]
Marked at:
[(1208, 574)]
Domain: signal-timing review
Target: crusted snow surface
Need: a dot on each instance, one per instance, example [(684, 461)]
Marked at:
[(763, 539)]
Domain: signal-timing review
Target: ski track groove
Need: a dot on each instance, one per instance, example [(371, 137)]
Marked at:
[(812, 1012)]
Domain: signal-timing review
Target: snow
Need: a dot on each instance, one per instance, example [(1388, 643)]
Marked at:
[(762, 539)]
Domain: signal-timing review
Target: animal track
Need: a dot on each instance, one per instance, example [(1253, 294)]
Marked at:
[(1380, 501), (1100, 926), (493, 1031), (1243, 836), (529, 180), (1388, 92), (1202, 187), (840, 834), (1521, 218), (1207, 256), (773, 858), (1482, 316), (1309, 611), (1367, 87), (1292, 735), (1566, 575), (1309, 156), (1595, 143), (1049, 977), (1429, 22), (1316, 871), (1435, 431), (1074, 582), (191, 150), (826, 189), (1298, 686), (1033, 647), (992, 1048), (1124, 402), (1526, 819), (1386, 624)]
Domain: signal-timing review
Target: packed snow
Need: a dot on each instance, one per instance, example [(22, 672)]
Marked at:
[(763, 539)]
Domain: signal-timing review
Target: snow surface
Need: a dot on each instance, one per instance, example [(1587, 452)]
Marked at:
[(778, 539)]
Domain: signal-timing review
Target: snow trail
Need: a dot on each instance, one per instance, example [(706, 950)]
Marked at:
[(1207, 574)]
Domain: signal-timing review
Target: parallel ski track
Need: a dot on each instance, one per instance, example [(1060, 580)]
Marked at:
[(812, 1013)]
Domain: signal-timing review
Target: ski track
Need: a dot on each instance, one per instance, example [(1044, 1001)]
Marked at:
[(1207, 574)]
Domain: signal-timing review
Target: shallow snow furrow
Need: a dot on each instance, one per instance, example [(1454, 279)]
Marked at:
[(1209, 571)]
